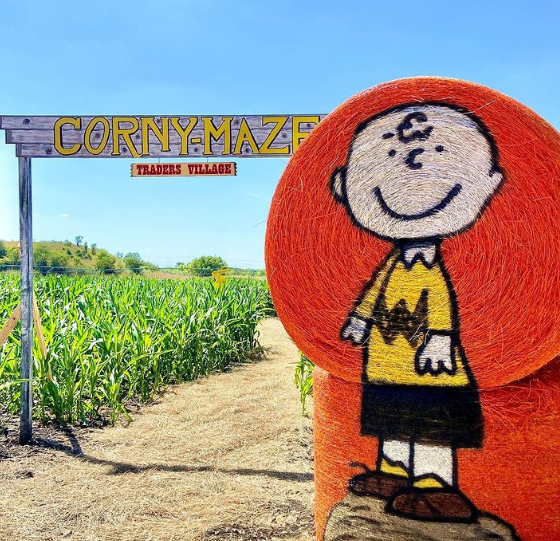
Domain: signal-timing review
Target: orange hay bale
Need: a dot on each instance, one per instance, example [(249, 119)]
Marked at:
[(514, 475), (504, 269)]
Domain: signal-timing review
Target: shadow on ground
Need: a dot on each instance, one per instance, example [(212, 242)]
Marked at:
[(73, 448)]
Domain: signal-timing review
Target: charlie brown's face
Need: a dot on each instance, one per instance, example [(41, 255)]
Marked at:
[(418, 171)]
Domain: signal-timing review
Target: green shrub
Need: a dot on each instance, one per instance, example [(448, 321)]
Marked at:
[(206, 265), (105, 263)]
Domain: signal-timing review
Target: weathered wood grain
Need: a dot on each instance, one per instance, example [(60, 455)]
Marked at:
[(26, 240), (241, 136), (10, 325), (19, 122), (73, 136), (47, 151)]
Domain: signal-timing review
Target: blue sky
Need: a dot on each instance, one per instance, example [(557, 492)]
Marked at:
[(242, 57)]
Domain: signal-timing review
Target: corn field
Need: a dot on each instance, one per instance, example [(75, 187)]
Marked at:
[(113, 341)]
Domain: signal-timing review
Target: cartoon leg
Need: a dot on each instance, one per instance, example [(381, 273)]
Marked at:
[(394, 457), (392, 474), (434, 467), (434, 494)]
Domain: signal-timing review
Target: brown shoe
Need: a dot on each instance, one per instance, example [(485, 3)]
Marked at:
[(377, 484), (437, 504)]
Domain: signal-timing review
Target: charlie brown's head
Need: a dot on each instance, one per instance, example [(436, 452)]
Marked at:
[(418, 171)]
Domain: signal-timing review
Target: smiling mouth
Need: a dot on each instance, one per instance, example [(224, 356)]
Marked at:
[(430, 212)]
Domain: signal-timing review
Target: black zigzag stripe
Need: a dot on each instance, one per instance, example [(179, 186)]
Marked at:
[(399, 320)]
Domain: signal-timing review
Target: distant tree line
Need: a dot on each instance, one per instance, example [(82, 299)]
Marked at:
[(80, 258), (203, 266), (66, 258)]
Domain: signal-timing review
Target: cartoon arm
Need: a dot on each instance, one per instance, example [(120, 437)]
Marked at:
[(355, 329), (437, 354)]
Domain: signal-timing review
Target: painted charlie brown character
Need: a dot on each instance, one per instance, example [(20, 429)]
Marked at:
[(415, 174)]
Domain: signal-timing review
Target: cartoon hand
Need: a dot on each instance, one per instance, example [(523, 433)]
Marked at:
[(354, 330), (436, 356)]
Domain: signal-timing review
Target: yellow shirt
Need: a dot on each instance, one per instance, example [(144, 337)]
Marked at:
[(405, 303)]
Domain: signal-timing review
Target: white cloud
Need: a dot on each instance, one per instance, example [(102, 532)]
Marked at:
[(63, 216)]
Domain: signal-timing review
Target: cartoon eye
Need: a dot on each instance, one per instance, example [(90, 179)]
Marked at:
[(439, 148), (392, 152)]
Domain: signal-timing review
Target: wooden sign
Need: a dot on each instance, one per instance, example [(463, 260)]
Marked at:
[(222, 169), (157, 136)]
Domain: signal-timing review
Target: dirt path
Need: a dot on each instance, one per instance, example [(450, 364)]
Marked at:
[(227, 457)]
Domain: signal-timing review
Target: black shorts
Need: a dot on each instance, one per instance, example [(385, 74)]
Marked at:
[(449, 416)]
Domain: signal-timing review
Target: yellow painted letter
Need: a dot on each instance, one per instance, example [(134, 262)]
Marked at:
[(184, 132), (211, 132), (297, 135), (77, 124), (280, 123), (245, 136), (126, 134), (162, 134), (104, 137)]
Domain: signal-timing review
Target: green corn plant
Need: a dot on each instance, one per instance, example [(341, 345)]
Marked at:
[(111, 340), (303, 380)]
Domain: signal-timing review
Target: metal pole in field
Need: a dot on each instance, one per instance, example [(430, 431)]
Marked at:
[(26, 243)]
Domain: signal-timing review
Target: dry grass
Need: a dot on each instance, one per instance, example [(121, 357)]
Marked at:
[(223, 458)]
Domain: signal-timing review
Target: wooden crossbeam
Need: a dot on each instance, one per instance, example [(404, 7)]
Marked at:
[(241, 136), (10, 325)]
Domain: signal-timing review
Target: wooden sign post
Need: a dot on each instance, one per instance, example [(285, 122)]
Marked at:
[(272, 136), (26, 241)]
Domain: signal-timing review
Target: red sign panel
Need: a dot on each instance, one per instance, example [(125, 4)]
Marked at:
[(205, 169)]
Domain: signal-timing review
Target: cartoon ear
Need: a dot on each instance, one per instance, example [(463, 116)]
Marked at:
[(337, 184), (497, 174)]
